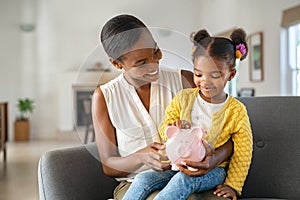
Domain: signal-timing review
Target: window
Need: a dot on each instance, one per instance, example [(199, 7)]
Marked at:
[(290, 52), (292, 59), (231, 87)]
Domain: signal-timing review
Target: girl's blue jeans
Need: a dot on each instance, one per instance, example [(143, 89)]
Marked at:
[(174, 185)]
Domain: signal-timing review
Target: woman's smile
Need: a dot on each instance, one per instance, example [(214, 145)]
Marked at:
[(154, 73)]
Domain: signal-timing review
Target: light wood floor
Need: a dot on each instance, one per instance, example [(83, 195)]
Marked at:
[(18, 177)]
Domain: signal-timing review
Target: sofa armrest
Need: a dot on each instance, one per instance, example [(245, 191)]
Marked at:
[(73, 173)]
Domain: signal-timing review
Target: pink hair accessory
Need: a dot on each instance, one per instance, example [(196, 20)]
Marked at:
[(241, 48)]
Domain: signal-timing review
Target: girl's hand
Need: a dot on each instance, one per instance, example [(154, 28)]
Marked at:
[(152, 156), (182, 124), (225, 191)]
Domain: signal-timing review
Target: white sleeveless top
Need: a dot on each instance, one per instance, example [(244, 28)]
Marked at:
[(135, 127)]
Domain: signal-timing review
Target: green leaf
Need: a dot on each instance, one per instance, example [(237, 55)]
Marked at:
[(25, 106)]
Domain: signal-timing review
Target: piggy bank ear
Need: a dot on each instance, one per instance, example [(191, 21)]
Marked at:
[(199, 132), (171, 131)]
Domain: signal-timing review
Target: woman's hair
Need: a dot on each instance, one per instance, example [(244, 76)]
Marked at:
[(220, 48), (120, 33)]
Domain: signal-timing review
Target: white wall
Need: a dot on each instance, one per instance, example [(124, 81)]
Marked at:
[(253, 16), (33, 64), (10, 54)]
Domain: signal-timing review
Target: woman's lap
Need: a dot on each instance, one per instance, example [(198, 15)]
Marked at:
[(121, 189)]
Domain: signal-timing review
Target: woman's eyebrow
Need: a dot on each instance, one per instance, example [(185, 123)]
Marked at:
[(197, 69)]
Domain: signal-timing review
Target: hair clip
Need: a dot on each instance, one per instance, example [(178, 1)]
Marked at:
[(194, 48), (240, 50)]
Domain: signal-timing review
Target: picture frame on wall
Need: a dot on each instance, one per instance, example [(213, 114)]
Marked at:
[(256, 57)]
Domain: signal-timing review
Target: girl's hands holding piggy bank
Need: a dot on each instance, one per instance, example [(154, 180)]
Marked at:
[(187, 150)]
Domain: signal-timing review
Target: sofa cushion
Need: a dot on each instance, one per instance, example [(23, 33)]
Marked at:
[(274, 171)]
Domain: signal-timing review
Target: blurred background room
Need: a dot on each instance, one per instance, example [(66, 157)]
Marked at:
[(50, 54)]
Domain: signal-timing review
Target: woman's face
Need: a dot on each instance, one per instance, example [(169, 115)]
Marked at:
[(141, 62), (211, 77)]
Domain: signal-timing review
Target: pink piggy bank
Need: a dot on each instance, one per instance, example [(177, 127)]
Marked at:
[(184, 144)]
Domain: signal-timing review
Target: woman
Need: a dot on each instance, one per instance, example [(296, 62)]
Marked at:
[(127, 110)]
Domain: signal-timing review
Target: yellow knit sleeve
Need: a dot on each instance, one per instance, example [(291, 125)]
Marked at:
[(172, 114), (242, 154), (179, 109)]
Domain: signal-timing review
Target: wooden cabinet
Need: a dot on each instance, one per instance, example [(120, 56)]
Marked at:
[(22, 129), (3, 128)]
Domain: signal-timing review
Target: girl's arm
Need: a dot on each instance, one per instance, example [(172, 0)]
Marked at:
[(113, 164), (243, 144)]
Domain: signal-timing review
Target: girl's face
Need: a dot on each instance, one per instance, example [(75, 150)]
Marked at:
[(141, 62), (211, 77)]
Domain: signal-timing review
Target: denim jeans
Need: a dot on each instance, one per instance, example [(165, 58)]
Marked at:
[(174, 185), (147, 182)]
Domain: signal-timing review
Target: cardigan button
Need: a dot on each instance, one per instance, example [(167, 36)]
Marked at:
[(260, 144)]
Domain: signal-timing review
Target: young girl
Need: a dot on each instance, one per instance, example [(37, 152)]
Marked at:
[(127, 110), (220, 115)]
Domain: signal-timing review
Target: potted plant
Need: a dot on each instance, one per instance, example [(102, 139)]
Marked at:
[(22, 125)]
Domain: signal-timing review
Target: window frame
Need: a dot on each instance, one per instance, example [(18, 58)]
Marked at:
[(289, 68)]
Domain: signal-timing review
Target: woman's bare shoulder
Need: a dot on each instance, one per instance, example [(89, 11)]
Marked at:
[(187, 79)]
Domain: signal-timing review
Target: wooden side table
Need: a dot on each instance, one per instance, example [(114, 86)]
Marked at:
[(3, 128)]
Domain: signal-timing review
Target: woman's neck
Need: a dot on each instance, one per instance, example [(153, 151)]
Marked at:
[(144, 94), (137, 84)]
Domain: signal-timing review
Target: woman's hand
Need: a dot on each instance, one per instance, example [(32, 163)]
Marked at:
[(202, 167), (153, 157), (212, 159), (226, 192)]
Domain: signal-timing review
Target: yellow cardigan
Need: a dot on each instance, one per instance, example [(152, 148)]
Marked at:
[(231, 121)]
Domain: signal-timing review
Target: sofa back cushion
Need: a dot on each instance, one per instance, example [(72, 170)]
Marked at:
[(274, 170)]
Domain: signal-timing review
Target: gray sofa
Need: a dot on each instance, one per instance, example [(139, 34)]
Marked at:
[(75, 173)]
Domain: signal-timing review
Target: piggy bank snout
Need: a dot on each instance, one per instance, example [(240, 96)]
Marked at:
[(183, 151)]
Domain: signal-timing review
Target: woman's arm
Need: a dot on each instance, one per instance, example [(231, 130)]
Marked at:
[(113, 164), (212, 160), (187, 79)]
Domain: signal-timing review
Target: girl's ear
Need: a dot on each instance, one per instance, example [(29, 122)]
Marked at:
[(232, 74), (116, 63), (171, 131)]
